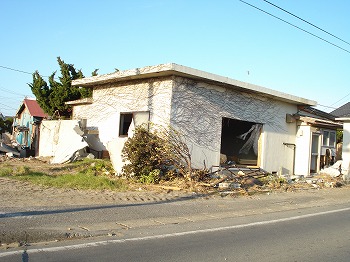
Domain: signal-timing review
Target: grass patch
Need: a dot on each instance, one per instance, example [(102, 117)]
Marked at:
[(75, 181), (85, 175), (5, 171)]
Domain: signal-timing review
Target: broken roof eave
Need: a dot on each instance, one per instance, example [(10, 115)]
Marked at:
[(315, 121), (343, 119), (179, 70)]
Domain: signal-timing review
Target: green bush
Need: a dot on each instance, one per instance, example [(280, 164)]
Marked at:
[(152, 177), (143, 153)]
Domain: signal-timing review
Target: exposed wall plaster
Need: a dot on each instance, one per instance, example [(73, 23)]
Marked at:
[(198, 108)]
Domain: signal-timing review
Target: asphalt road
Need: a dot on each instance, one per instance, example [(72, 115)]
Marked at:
[(319, 233), (50, 223)]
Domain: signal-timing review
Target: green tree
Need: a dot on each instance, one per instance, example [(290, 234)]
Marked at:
[(6, 125), (53, 95)]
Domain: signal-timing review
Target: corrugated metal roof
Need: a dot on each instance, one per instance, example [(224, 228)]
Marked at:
[(33, 108)]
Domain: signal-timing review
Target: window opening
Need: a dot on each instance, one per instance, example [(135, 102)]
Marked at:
[(329, 138), (137, 118), (125, 122), (332, 138), (239, 141)]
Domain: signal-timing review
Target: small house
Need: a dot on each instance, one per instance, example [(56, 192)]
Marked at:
[(218, 116), (26, 126), (316, 140)]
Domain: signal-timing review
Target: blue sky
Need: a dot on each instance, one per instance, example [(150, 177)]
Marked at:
[(225, 37)]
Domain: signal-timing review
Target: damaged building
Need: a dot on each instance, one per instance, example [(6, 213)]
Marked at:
[(26, 126), (222, 119), (316, 140)]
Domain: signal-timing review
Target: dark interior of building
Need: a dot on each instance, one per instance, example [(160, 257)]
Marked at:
[(231, 144)]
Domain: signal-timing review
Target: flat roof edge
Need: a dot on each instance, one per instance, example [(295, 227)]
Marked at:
[(345, 119), (244, 85), (176, 69)]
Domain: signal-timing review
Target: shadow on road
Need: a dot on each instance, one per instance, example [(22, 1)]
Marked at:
[(78, 209)]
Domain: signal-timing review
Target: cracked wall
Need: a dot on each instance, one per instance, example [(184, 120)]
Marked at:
[(197, 111)]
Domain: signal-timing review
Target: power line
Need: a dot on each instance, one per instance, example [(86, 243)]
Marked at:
[(9, 68), (331, 107), (8, 98), (8, 106), (11, 92), (20, 71), (306, 22), (296, 26), (341, 99)]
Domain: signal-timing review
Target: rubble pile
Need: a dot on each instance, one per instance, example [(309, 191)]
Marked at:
[(235, 179), (245, 180)]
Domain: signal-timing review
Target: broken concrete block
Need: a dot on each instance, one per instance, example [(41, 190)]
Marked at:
[(241, 173), (224, 185), (90, 156), (9, 154)]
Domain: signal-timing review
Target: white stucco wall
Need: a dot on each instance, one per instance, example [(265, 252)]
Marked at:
[(302, 156), (153, 95), (197, 111), (346, 145)]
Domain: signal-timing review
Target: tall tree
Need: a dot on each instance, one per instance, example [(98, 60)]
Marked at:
[(52, 97)]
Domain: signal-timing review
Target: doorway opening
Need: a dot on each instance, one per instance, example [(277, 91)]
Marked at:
[(240, 141), (315, 153)]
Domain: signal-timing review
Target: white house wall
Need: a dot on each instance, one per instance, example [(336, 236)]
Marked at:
[(197, 111), (302, 156), (346, 145), (153, 95)]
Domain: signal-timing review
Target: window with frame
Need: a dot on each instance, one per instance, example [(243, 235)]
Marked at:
[(329, 138), (124, 123), (138, 118)]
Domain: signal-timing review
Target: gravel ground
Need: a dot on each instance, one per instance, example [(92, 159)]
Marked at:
[(18, 194)]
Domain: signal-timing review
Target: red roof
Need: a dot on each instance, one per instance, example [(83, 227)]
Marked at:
[(33, 108)]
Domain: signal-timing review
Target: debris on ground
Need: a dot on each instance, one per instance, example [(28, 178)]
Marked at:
[(8, 150), (228, 179), (335, 170), (238, 179)]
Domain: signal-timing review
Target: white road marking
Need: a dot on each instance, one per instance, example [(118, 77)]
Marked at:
[(106, 242)]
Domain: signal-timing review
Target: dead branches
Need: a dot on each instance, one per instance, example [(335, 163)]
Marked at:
[(176, 151)]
